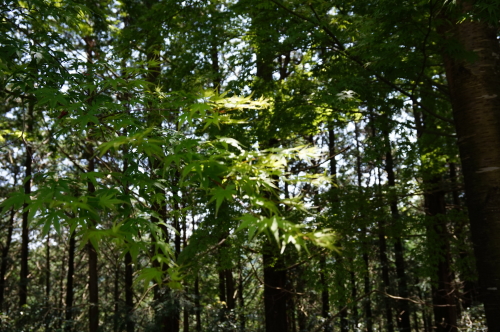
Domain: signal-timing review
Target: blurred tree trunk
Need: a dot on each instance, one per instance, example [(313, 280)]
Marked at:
[(474, 85)]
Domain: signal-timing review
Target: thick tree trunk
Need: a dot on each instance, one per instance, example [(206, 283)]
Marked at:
[(275, 285), (475, 93)]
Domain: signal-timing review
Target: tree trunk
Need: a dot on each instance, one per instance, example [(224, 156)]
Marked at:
[(23, 284), (366, 275), (197, 305), (5, 253), (445, 314), (275, 285), (468, 293), (47, 284), (475, 94), (325, 294), (69, 284), (129, 293), (403, 320), (116, 299), (93, 281), (241, 298), (385, 276)]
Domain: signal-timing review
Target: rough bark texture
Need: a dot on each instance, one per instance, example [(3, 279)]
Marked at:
[(475, 92)]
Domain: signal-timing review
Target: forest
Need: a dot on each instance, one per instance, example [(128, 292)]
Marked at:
[(250, 165)]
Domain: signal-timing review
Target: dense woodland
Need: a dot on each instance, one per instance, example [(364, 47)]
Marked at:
[(249, 165)]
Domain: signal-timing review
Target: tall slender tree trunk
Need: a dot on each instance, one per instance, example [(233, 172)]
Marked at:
[(6, 247), (475, 94), (129, 293), (197, 304), (23, 284), (325, 294), (69, 284), (468, 292), (354, 295), (241, 298), (93, 279), (366, 275), (116, 298), (47, 284), (384, 261), (445, 313), (403, 306)]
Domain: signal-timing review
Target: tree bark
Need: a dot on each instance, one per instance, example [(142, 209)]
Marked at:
[(23, 284), (475, 94), (325, 294), (129, 293), (47, 285), (366, 275), (5, 253), (197, 305), (275, 285), (69, 284), (403, 321), (445, 314)]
